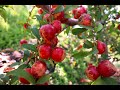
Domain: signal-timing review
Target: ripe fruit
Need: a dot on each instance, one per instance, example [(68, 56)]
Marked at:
[(40, 11), (26, 25), (57, 25), (23, 80), (44, 51), (101, 47), (38, 69), (23, 41), (77, 12), (118, 26), (106, 68), (58, 54), (85, 19), (47, 17), (60, 16), (92, 72), (47, 32), (53, 42)]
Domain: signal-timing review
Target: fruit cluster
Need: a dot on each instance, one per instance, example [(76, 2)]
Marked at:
[(105, 68), (37, 70), (81, 14), (47, 49), (56, 16)]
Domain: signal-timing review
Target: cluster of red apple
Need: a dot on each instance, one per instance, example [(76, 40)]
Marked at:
[(81, 14), (48, 49), (37, 70), (105, 68), (57, 16)]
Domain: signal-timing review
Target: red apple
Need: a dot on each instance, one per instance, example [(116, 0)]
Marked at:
[(38, 69), (106, 68), (44, 51), (85, 19), (77, 12), (92, 72), (58, 54), (101, 47), (47, 32), (26, 25), (57, 25), (23, 41), (40, 11), (60, 16), (53, 42)]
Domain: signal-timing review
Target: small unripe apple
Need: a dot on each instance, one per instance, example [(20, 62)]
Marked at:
[(106, 68), (85, 19), (92, 72), (23, 80), (57, 25), (101, 47), (47, 32), (40, 11), (38, 69), (44, 51), (58, 54), (23, 41)]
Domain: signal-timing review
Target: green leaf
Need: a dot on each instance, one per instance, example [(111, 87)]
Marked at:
[(77, 31), (67, 16), (39, 17), (26, 53), (94, 50), (14, 64), (35, 31), (99, 81), (30, 47), (88, 44), (67, 30), (87, 27), (3, 13), (104, 81), (81, 54), (69, 8), (43, 79), (99, 27), (59, 9), (22, 73), (22, 66), (13, 80)]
